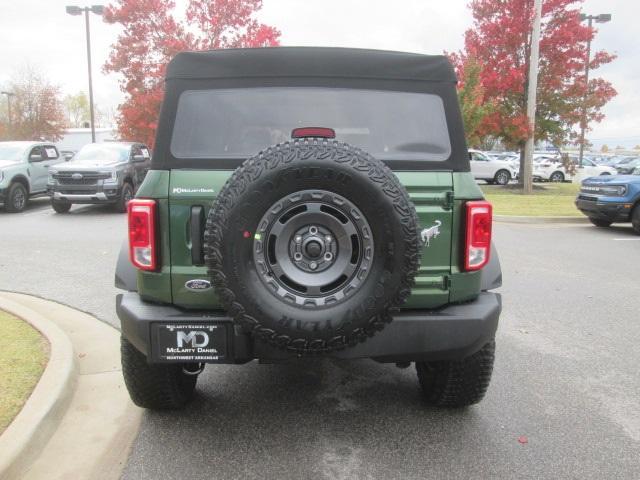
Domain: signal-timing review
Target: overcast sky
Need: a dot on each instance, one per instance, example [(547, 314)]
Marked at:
[(39, 32)]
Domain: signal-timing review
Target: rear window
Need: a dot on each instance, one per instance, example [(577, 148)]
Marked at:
[(237, 123)]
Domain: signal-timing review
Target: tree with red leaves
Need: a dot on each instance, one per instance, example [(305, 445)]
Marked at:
[(500, 42), (152, 35)]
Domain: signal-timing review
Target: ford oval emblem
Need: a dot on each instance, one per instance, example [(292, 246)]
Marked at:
[(198, 284), (77, 176)]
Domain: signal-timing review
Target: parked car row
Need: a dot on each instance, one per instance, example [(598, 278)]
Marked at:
[(501, 167), (611, 160), (109, 172), (553, 169)]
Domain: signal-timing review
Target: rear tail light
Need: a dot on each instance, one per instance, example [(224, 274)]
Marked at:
[(142, 233), (478, 235)]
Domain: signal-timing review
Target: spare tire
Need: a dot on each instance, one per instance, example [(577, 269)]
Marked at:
[(310, 244)]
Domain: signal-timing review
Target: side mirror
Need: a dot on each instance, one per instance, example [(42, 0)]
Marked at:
[(35, 158), (139, 158)]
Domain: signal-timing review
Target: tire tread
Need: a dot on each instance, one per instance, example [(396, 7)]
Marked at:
[(457, 383), (291, 153), (157, 387)]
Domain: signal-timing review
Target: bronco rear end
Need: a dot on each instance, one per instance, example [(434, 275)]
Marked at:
[(308, 202)]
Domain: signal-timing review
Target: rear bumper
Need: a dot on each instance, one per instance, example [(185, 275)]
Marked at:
[(610, 211), (453, 332)]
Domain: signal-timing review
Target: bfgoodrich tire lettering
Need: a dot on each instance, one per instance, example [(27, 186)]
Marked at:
[(303, 166)]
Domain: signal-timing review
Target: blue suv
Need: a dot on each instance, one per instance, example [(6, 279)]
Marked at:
[(611, 198)]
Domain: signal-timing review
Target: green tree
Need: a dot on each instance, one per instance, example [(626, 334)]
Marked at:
[(473, 104), (77, 110)]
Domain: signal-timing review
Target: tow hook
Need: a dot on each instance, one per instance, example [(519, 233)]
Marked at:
[(197, 371)]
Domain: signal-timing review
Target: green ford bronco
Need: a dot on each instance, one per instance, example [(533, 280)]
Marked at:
[(308, 202)]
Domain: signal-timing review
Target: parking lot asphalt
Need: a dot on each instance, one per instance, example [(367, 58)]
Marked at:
[(563, 402)]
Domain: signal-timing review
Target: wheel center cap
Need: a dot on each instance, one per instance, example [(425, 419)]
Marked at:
[(313, 249)]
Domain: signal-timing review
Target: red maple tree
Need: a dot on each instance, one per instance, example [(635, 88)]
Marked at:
[(500, 42), (152, 35)]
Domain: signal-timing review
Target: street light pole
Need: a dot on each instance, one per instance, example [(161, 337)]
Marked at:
[(98, 10), (9, 95), (93, 127), (602, 18)]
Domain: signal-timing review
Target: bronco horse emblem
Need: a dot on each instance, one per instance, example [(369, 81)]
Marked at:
[(428, 233)]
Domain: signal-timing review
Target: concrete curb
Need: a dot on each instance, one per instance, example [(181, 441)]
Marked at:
[(92, 423), (31, 429), (523, 219)]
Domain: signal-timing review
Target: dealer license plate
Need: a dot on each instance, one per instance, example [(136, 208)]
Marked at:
[(189, 342)]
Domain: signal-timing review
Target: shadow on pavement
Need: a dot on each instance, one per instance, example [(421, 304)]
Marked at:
[(314, 418)]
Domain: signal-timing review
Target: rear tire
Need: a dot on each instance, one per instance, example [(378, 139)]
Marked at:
[(60, 206), (157, 387), (17, 198), (600, 223), (125, 196), (457, 383), (635, 219), (502, 177)]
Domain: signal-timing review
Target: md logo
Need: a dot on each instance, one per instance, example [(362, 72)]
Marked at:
[(192, 339)]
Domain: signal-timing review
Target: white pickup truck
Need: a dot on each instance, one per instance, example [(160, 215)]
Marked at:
[(24, 169)]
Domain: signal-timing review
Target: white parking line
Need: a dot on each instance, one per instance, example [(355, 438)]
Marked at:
[(627, 239)]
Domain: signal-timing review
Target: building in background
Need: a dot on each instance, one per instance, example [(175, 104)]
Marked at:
[(76, 138)]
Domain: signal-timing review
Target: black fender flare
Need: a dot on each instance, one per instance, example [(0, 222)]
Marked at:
[(491, 276), (126, 274)]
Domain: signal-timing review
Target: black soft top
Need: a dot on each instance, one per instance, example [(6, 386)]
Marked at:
[(346, 68), (310, 62)]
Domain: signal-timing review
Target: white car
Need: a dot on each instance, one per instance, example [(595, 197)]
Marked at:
[(491, 170), (552, 170)]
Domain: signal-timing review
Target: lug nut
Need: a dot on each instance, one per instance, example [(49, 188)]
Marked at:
[(328, 256), (297, 256), (298, 239), (313, 265), (327, 239), (313, 230)]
